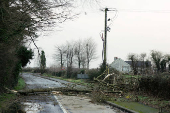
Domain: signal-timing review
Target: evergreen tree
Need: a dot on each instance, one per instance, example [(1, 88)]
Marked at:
[(42, 62)]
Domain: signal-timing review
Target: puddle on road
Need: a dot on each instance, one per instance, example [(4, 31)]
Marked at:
[(31, 107), (40, 104)]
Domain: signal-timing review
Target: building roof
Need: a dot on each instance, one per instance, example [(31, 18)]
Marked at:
[(119, 61), (120, 65), (140, 63)]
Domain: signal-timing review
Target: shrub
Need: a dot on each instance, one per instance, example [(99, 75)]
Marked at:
[(155, 85), (74, 74), (37, 70), (93, 73), (166, 73), (82, 71), (58, 73), (27, 69), (112, 70)]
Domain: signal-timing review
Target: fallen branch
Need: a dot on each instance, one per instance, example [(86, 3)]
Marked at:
[(62, 89), (11, 91), (108, 76)]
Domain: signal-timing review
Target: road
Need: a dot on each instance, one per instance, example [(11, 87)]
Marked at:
[(34, 82), (41, 103), (50, 103)]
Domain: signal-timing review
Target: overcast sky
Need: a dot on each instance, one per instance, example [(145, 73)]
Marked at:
[(139, 26)]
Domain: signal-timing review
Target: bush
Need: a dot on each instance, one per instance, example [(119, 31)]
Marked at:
[(38, 70), (74, 74), (155, 85), (27, 69), (112, 70), (82, 71), (96, 72), (58, 73), (166, 73), (93, 73)]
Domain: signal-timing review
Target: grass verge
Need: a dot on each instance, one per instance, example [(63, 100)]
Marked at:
[(141, 103), (20, 85), (137, 107), (7, 100)]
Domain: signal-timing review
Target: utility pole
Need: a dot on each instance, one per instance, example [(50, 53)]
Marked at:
[(105, 39), (106, 28)]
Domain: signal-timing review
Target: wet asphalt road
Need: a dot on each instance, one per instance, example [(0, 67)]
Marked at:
[(35, 82), (64, 83), (41, 103), (48, 103)]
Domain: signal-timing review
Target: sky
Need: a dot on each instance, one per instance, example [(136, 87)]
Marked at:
[(137, 26)]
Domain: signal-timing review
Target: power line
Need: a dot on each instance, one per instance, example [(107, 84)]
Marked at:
[(131, 10), (143, 11)]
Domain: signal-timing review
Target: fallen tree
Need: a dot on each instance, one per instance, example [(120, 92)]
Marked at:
[(62, 89)]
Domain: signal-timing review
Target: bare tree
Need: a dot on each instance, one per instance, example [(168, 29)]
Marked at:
[(134, 59), (165, 62), (79, 50), (167, 57), (142, 58), (163, 65), (83, 62), (156, 57), (90, 51), (70, 53), (60, 54), (70, 57)]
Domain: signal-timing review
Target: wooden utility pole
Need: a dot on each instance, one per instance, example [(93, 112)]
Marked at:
[(106, 28), (105, 39)]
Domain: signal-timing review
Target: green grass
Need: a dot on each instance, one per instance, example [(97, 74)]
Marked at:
[(136, 107), (20, 85), (7, 99), (149, 103)]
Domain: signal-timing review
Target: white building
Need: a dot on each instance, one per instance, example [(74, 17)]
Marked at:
[(120, 65)]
